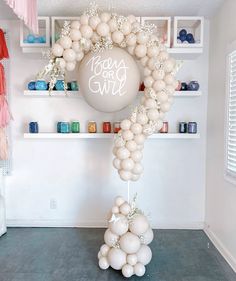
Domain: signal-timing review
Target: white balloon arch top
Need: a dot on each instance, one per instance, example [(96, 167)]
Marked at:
[(95, 38)]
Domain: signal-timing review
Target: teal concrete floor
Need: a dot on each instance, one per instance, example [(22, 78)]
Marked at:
[(70, 254)]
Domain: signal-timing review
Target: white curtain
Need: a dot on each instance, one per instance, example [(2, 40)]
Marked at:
[(27, 11)]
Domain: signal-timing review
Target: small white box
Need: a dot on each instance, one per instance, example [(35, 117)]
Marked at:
[(163, 27), (57, 24), (41, 40), (194, 25)]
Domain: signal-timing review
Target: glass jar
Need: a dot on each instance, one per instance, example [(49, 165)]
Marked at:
[(106, 127), (92, 127), (75, 127), (116, 127)]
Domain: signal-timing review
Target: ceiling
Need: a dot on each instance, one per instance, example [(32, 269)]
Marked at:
[(205, 8)]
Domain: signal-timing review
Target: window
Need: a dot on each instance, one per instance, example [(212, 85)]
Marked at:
[(230, 157)]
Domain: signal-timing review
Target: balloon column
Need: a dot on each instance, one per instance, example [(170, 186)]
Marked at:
[(126, 240), (99, 32)]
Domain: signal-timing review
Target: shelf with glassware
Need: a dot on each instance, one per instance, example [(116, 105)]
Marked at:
[(105, 136)]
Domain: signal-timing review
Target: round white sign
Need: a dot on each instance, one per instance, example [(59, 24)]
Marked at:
[(109, 81)]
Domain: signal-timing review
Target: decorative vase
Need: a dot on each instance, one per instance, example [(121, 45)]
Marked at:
[(193, 86), (184, 86), (74, 86), (31, 86), (59, 85), (41, 85)]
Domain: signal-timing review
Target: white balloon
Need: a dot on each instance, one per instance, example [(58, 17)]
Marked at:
[(139, 269), (119, 201), (95, 37), (84, 19), (103, 263), (159, 124), (127, 270), (116, 258), (125, 124), (94, 21), (152, 63), (110, 238), (144, 60), (159, 85), (170, 90), (105, 17), (140, 51), (158, 74), (79, 56), (131, 145), (135, 177), (115, 210), (169, 65), (125, 208), (119, 225), (104, 249), (161, 97), (139, 225), (150, 103), (139, 139), (61, 62), (138, 169), (113, 25), (131, 39), (165, 107), (127, 164), (69, 55), (75, 24), (148, 81), (153, 114), (116, 163), (57, 50), (99, 255), (103, 29), (147, 72), (137, 155), (144, 255), (114, 150), (65, 42), (142, 118), (126, 28), (129, 243), (75, 34), (147, 237), (136, 128), (131, 18), (169, 79), (125, 175), (153, 51), (132, 259), (76, 46), (127, 135), (131, 49), (70, 66), (123, 153), (86, 31), (117, 37), (163, 55), (142, 38)]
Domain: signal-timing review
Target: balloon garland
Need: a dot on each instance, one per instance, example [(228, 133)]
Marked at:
[(129, 232), (126, 240)]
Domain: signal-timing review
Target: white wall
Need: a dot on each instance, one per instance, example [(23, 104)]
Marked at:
[(78, 173), (221, 195)]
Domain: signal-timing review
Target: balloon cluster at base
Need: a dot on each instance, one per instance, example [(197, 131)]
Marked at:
[(126, 240), (101, 31)]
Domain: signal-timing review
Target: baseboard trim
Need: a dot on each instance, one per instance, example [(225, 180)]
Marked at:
[(96, 224), (221, 248)]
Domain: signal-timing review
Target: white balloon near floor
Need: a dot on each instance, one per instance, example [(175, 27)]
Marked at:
[(126, 240)]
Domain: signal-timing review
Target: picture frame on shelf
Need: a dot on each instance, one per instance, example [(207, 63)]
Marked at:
[(163, 27)]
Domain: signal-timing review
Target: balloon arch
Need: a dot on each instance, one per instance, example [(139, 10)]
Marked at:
[(96, 41)]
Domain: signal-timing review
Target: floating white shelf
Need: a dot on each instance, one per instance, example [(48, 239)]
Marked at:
[(186, 53), (104, 136), (76, 94)]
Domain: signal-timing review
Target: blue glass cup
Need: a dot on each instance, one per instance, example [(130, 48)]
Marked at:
[(33, 127), (65, 127), (59, 85), (41, 85), (74, 86), (31, 86)]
